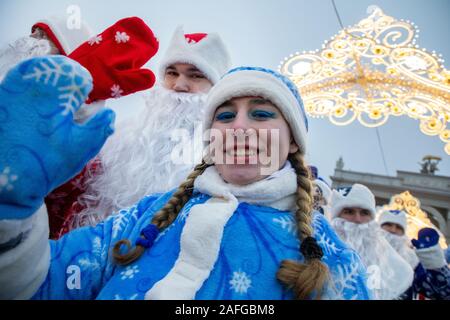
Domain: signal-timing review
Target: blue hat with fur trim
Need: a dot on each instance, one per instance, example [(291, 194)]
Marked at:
[(265, 83), (393, 216), (356, 196)]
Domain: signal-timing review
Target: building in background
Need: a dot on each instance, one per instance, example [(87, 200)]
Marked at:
[(432, 190)]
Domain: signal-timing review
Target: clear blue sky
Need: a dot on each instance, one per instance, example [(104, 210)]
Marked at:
[(263, 32)]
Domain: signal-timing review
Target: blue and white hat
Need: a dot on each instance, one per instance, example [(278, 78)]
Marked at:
[(265, 83), (393, 216), (356, 196)]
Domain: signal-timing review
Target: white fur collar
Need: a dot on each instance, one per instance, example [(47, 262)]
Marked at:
[(202, 234)]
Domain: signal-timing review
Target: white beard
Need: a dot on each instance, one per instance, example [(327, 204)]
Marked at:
[(20, 50), (389, 274), (401, 245), (136, 161)]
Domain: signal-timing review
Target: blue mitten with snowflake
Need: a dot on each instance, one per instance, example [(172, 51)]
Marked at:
[(428, 250), (427, 237), (41, 146)]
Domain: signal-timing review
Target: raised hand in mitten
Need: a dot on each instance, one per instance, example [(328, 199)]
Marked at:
[(428, 250), (41, 146), (426, 238), (115, 59)]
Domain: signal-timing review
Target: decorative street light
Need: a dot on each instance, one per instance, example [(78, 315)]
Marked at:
[(372, 71)]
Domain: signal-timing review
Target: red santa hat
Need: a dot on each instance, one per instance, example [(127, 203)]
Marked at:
[(207, 52), (65, 37)]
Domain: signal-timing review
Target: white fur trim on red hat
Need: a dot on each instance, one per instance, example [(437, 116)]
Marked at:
[(66, 37), (393, 216), (209, 55), (357, 196)]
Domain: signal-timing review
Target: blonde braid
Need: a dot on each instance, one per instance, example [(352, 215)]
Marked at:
[(308, 277), (162, 219)]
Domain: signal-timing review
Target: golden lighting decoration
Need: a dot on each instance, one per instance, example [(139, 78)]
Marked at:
[(416, 218), (372, 71)]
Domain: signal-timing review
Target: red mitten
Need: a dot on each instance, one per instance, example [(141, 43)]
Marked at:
[(115, 57)]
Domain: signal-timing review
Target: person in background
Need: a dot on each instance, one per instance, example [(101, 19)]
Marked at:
[(431, 272), (322, 192), (352, 212), (145, 149)]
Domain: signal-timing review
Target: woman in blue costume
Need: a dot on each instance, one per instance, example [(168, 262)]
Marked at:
[(237, 228)]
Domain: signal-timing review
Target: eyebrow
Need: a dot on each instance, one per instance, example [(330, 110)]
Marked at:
[(194, 69), (227, 103), (191, 69), (258, 101)]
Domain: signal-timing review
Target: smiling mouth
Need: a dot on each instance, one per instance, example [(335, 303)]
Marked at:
[(241, 152)]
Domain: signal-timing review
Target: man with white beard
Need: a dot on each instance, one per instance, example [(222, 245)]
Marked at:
[(352, 211), (40, 42), (431, 273), (143, 156), (114, 58)]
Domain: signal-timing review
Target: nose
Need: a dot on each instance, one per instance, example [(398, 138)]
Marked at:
[(240, 122), (181, 84), (357, 218)]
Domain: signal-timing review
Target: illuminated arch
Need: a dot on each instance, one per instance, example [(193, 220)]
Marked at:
[(371, 71)]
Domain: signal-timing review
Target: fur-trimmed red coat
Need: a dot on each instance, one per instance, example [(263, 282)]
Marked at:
[(62, 203)]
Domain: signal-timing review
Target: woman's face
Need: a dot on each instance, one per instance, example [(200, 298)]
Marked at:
[(250, 139)]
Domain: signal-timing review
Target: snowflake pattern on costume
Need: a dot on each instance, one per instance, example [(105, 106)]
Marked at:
[(122, 37), (327, 244), (346, 278), (122, 219), (240, 282), (287, 223), (95, 40), (98, 250), (89, 264), (184, 213), (344, 191), (432, 283), (50, 70), (116, 91), (7, 179), (248, 275), (129, 272)]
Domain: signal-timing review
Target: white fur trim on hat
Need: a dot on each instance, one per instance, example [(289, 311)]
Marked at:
[(265, 84), (209, 55), (393, 216), (432, 257), (69, 37), (357, 196)]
